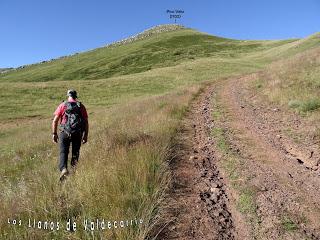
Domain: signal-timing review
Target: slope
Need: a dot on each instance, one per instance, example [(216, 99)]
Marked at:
[(137, 93), (157, 50), (247, 163)]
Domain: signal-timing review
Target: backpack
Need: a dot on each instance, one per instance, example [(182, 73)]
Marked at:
[(74, 121)]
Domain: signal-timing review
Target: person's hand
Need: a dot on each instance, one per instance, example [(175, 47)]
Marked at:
[(55, 138), (84, 139)]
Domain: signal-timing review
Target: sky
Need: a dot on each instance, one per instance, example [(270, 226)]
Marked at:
[(37, 30)]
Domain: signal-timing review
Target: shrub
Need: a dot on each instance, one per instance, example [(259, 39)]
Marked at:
[(294, 103), (310, 105), (305, 106)]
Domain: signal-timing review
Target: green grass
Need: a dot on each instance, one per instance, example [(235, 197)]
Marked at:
[(234, 166), (288, 224), (27, 100), (222, 144), (167, 49), (305, 106), (216, 114), (136, 95), (246, 203), (294, 82), (232, 163)]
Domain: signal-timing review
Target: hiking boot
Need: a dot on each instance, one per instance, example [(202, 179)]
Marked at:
[(63, 174)]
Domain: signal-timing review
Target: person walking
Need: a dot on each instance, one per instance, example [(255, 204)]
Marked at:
[(74, 128)]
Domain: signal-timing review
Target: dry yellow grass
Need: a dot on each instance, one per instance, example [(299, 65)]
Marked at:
[(294, 82), (121, 175)]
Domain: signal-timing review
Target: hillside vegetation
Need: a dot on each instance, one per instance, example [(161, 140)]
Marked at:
[(162, 50), (136, 94), (294, 82)]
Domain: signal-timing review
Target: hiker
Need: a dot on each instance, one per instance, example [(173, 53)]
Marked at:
[(74, 129)]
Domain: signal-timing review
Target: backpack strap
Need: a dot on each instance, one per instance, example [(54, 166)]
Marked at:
[(80, 105)]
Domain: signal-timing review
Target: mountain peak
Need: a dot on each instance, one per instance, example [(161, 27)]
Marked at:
[(148, 33)]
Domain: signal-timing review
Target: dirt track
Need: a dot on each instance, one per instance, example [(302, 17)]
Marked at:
[(198, 203), (281, 172), (279, 169)]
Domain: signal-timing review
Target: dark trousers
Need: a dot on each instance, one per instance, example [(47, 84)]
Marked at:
[(65, 141)]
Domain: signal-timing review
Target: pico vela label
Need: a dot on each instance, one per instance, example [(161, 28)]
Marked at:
[(175, 14)]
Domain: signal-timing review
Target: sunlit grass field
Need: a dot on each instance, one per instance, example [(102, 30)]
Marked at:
[(294, 82), (136, 95)]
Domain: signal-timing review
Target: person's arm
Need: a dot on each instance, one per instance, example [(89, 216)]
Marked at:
[(86, 131), (54, 128)]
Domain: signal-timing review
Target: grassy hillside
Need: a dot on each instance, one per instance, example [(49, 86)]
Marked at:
[(162, 50), (136, 94), (294, 82)]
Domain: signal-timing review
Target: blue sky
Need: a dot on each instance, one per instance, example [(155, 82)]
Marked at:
[(36, 30)]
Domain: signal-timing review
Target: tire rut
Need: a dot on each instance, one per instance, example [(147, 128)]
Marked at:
[(283, 185), (197, 205)]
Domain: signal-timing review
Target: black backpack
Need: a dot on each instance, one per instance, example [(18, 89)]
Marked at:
[(74, 120)]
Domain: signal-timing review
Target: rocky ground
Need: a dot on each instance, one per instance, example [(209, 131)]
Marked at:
[(272, 189), (147, 33), (4, 70)]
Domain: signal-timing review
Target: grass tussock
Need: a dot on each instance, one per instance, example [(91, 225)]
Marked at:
[(288, 224), (305, 106)]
